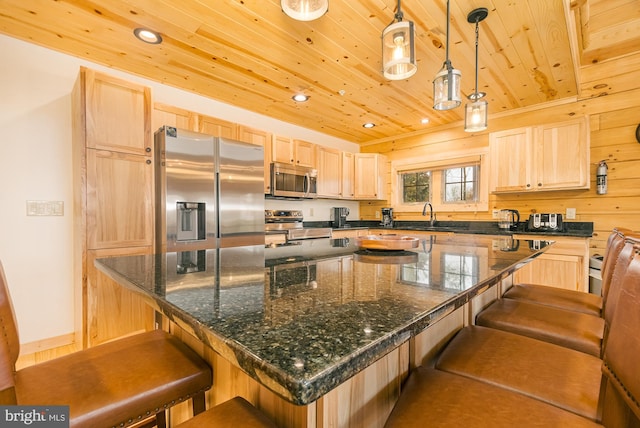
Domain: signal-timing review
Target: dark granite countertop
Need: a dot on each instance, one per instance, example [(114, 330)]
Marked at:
[(304, 317), (571, 229)]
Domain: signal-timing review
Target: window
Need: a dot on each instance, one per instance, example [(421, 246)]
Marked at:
[(461, 184), (449, 184), (415, 186)]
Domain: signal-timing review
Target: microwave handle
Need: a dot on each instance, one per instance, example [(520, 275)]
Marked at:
[(307, 184)]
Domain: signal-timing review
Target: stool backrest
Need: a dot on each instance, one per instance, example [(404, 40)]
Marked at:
[(621, 400), (614, 246), (9, 343)]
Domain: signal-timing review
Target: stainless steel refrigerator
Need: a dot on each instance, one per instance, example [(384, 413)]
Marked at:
[(209, 192)]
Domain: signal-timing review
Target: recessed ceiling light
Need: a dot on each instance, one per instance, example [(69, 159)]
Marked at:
[(368, 125), (148, 36), (300, 98), (425, 120)]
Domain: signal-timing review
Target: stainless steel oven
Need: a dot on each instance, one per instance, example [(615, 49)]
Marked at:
[(293, 181), (289, 223)]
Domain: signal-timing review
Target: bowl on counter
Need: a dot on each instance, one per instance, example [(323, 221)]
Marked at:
[(386, 242)]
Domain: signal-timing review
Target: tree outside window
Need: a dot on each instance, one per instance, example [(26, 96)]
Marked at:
[(416, 186), (461, 184)]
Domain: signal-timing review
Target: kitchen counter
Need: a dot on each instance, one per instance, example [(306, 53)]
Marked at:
[(571, 229), (303, 318)]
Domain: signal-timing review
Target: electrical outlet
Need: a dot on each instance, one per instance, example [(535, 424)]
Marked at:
[(570, 214), (310, 212), (377, 214), (45, 208), (495, 214)]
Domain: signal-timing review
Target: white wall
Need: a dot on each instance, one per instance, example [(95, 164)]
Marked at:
[(35, 164)]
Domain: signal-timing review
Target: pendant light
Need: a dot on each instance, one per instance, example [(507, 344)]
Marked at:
[(476, 113), (446, 85), (398, 48), (304, 10)]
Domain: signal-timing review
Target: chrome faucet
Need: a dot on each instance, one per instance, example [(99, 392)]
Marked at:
[(432, 215)]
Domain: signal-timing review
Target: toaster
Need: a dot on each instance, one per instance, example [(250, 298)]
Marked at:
[(551, 222)]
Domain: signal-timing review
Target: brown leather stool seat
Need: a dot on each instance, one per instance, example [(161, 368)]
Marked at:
[(554, 374), (576, 330), (573, 300), (433, 398), (233, 413), (115, 384)]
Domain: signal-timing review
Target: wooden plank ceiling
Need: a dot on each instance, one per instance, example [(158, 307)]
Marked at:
[(250, 54)]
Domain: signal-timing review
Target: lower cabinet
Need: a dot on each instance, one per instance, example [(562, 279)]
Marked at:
[(350, 233), (112, 311), (564, 265)]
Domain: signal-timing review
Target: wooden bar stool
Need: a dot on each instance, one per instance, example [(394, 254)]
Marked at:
[(112, 385)]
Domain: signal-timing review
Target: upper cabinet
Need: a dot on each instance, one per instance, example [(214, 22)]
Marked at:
[(128, 109), (259, 138), (329, 172), (217, 127), (294, 152), (348, 175), (540, 158), (370, 176)]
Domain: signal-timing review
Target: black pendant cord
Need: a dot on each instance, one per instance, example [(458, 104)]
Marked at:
[(398, 15), (475, 91), (447, 62)]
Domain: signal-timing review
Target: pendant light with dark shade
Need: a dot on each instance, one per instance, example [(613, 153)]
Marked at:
[(304, 10), (476, 112), (446, 84), (398, 48)]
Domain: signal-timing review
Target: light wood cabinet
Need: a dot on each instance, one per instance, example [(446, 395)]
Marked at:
[(259, 138), (329, 173), (113, 195), (164, 114), (348, 233), (217, 127), (565, 264), (540, 158), (348, 176), (293, 152), (370, 176)]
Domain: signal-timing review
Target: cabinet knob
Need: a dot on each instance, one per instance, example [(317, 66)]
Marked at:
[(539, 184), (528, 185), (148, 149), (148, 161)]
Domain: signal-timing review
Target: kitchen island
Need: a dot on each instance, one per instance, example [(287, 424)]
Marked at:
[(306, 318)]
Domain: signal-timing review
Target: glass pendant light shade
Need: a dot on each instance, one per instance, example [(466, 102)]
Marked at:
[(446, 88), (476, 116), (304, 10), (398, 51), (446, 84), (476, 113)]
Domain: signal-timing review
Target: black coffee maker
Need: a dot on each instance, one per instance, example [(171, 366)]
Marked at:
[(387, 217), (340, 217)]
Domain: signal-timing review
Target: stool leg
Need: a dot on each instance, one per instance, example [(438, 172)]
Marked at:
[(198, 403), (161, 419)]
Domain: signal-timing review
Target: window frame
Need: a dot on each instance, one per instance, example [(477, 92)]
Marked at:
[(437, 164)]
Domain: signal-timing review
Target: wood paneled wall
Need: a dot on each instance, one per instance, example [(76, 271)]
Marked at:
[(613, 121)]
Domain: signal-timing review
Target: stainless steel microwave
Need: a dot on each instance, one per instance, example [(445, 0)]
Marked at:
[(293, 181)]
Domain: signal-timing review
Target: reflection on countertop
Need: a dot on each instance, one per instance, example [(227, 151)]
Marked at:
[(311, 315)]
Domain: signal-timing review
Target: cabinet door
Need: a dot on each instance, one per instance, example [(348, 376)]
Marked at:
[(217, 127), (369, 176), (164, 114), (562, 155), (348, 175), (564, 265), (119, 200), (329, 170), (282, 150), (118, 114), (510, 153), (113, 311), (304, 153), (259, 138)]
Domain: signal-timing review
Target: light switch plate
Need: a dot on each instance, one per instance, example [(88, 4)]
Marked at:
[(570, 214), (45, 208)]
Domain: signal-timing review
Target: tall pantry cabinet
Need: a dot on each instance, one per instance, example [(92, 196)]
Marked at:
[(113, 200)]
